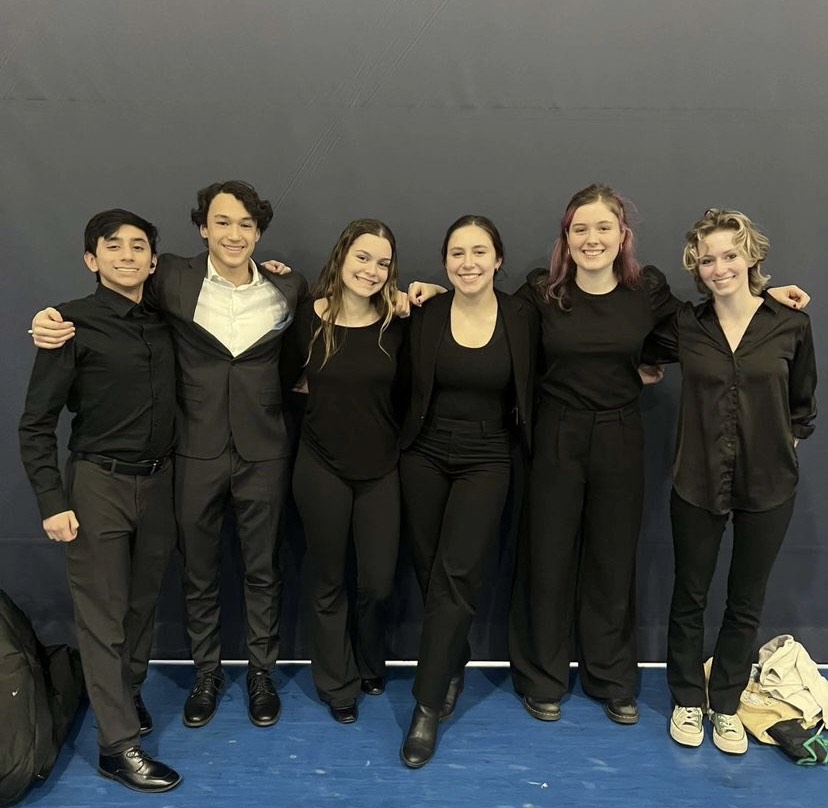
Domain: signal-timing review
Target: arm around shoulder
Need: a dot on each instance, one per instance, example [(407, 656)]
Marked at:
[(802, 380)]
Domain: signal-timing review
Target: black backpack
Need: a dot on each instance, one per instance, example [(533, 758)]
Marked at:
[(40, 690)]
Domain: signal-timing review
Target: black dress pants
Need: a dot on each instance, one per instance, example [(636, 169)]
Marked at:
[(455, 479), (115, 566), (576, 555), (256, 493), (697, 534), (347, 644)]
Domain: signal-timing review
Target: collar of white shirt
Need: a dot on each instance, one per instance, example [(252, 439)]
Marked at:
[(214, 277)]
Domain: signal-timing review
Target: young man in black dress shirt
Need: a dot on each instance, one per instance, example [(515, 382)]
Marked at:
[(233, 451), (114, 509)]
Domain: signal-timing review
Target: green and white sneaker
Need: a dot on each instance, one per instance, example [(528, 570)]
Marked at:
[(686, 726), (728, 733)]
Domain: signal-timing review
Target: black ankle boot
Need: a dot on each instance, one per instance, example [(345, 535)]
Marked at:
[(422, 737), (455, 688)]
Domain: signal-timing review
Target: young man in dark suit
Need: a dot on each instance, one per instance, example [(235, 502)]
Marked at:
[(228, 321), (114, 509)]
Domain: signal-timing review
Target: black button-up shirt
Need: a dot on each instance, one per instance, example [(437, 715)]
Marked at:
[(740, 411), (117, 376)]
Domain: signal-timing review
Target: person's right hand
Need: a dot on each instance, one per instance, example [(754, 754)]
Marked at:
[(62, 526), (420, 291), (49, 330)]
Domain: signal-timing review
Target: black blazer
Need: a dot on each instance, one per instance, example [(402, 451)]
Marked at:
[(221, 396), (428, 325)]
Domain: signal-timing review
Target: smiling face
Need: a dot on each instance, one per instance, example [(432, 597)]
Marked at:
[(123, 261), (231, 234), (471, 260), (594, 237), (722, 266), (365, 267)]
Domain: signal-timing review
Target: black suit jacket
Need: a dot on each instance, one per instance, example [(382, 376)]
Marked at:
[(428, 325), (221, 396)]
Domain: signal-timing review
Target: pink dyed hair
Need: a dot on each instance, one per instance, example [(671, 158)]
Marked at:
[(562, 267)]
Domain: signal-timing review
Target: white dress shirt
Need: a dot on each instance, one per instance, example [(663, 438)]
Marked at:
[(239, 316)]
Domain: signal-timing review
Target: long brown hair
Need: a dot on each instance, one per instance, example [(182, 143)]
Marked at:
[(329, 285)]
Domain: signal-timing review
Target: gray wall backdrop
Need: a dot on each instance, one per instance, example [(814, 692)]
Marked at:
[(414, 111)]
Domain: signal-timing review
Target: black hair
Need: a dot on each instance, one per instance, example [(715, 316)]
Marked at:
[(475, 220), (106, 224), (259, 209)]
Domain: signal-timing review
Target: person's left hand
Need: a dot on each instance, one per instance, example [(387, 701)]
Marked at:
[(651, 374), (276, 267), (791, 296)]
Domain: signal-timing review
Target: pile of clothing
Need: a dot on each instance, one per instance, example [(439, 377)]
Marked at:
[(786, 702)]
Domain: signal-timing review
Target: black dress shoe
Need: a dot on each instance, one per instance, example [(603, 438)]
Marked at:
[(137, 770), (455, 688), (374, 686), (264, 707), (144, 717), (202, 702), (344, 715), (542, 710), (622, 711), (418, 747)]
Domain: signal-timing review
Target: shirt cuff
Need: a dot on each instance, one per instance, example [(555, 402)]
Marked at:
[(52, 502), (802, 431)]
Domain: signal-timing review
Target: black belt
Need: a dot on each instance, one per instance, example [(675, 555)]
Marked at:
[(468, 427), (113, 466)]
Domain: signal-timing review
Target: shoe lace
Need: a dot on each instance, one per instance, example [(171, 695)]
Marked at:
[(727, 724), (689, 717), (260, 685), (204, 684)]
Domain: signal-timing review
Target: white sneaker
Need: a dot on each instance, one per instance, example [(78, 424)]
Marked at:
[(728, 733), (686, 726)]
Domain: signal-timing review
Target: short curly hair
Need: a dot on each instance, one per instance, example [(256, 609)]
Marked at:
[(747, 237), (259, 209)]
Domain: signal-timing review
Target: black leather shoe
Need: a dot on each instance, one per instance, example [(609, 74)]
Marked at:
[(137, 770), (144, 717), (202, 702), (542, 710), (374, 686), (344, 715), (455, 688), (264, 707), (622, 711), (419, 744)]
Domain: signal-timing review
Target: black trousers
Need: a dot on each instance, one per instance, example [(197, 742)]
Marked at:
[(455, 479), (576, 555), (347, 644), (256, 492), (697, 535), (116, 565)]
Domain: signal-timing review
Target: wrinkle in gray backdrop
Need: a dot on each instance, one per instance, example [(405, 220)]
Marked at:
[(413, 111)]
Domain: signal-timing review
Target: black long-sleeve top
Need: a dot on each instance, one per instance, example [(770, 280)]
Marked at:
[(740, 411), (118, 378), (352, 419), (591, 352)]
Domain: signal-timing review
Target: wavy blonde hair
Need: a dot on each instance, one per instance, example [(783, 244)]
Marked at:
[(329, 285), (747, 238)]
